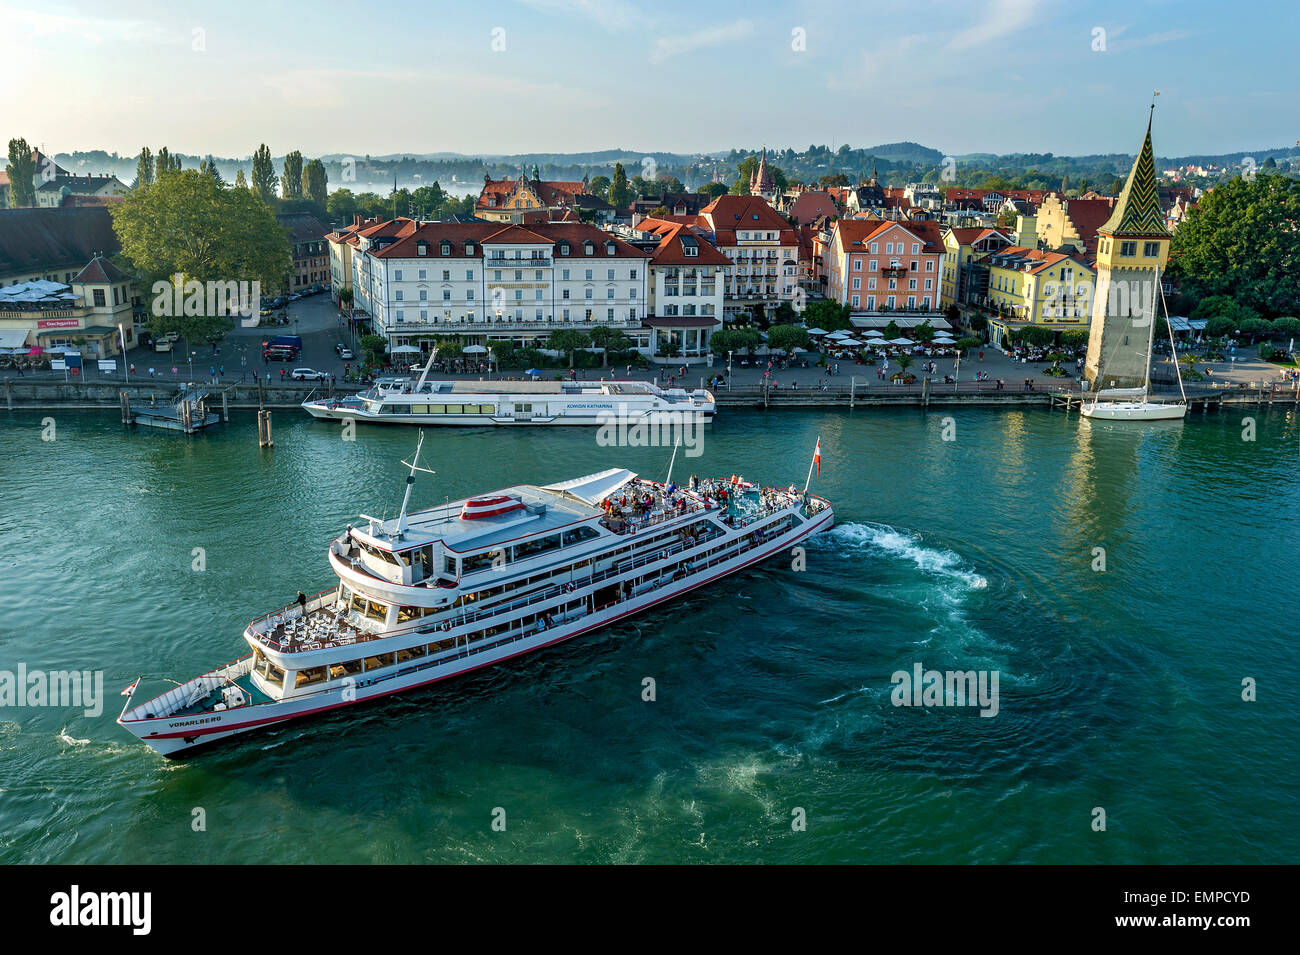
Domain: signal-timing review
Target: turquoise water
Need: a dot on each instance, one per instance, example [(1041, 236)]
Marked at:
[(1118, 689)]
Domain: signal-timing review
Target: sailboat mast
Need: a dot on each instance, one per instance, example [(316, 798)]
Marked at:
[(1173, 348), (1151, 337)]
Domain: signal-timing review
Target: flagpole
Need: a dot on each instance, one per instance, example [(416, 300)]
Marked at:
[(810, 466)]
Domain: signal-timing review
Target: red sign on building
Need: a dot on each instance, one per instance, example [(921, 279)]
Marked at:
[(59, 323)]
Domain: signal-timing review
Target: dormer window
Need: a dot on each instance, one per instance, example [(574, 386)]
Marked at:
[(609, 248), (469, 248), (421, 248), (589, 247), (446, 248), (564, 248), (690, 251)]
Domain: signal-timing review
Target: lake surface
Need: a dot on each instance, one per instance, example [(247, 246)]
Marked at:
[(1119, 689)]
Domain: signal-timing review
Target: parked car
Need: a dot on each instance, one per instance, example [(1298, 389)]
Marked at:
[(308, 374), (162, 344), (173, 336), (344, 352), (295, 296)]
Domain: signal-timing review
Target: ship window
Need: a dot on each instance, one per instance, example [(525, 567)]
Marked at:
[(453, 409), (478, 561), (578, 535), (442, 645), (310, 676), (435, 409), (340, 670), (419, 409), (409, 653), (274, 674), (390, 409), (405, 614), (358, 603), (379, 660), (376, 611), (538, 545)]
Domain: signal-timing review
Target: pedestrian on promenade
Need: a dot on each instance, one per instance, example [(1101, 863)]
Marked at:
[(133, 368), (282, 374), (150, 372)]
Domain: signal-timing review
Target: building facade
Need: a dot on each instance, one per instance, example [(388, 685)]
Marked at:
[(876, 266), (310, 261), (483, 282)]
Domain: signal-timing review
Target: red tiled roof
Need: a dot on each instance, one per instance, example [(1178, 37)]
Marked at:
[(1026, 195), (810, 205), (1039, 258), (670, 251), (726, 215), (1089, 215), (860, 230), (100, 271), (460, 233), (551, 193)]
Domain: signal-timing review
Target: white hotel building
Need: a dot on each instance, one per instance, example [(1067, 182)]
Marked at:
[(486, 282)]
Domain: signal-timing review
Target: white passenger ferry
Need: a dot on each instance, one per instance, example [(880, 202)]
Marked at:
[(442, 591), (515, 403)]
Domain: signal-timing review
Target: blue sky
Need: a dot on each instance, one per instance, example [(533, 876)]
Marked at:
[(983, 75)]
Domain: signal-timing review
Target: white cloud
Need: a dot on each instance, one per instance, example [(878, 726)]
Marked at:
[(614, 15), (38, 24), (1002, 18), (666, 47)]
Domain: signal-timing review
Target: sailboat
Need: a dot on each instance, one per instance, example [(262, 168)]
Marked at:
[(1133, 404)]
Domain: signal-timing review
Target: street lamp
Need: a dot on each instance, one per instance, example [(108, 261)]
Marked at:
[(192, 354), (729, 353)]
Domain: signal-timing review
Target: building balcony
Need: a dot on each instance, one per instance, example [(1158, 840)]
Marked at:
[(517, 263)]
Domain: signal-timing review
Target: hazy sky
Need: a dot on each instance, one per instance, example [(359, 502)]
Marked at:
[(982, 75)]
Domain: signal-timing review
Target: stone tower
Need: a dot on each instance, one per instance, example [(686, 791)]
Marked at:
[(1132, 249), (762, 182)]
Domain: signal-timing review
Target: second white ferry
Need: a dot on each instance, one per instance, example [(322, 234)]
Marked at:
[(460, 586), (400, 401)]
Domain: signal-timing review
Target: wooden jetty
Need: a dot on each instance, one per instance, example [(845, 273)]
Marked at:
[(186, 411)]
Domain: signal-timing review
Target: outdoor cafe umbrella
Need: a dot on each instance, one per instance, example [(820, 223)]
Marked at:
[(816, 331), (899, 341), (404, 350), (474, 349), (532, 371), (850, 342)]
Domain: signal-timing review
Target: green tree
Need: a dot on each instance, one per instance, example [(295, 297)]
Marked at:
[(208, 167), (315, 182), (144, 168), (904, 362), (291, 177), (374, 347), (1241, 241), (1074, 339), (342, 205), (240, 181), (601, 335), (787, 338), (891, 330), (831, 316), (567, 341), (924, 332), (22, 172), (599, 187), (165, 163), (264, 174), (713, 189), (186, 224), (620, 193)]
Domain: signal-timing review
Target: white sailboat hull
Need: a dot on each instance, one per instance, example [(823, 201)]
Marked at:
[(1134, 411)]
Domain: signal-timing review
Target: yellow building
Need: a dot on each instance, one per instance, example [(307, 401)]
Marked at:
[(1034, 287), (1132, 249), (961, 248)]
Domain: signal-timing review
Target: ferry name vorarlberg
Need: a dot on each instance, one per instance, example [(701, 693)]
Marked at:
[(463, 585)]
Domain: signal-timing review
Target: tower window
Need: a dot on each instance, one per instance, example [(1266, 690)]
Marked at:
[(1128, 249), (1151, 249)]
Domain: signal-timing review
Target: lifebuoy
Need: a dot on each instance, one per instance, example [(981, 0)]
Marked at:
[(568, 588)]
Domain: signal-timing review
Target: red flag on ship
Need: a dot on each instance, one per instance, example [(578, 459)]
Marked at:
[(131, 689), (817, 457)]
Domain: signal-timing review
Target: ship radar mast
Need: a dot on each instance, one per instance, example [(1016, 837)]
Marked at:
[(414, 465)]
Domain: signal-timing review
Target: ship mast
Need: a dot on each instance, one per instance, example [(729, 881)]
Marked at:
[(413, 464)]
